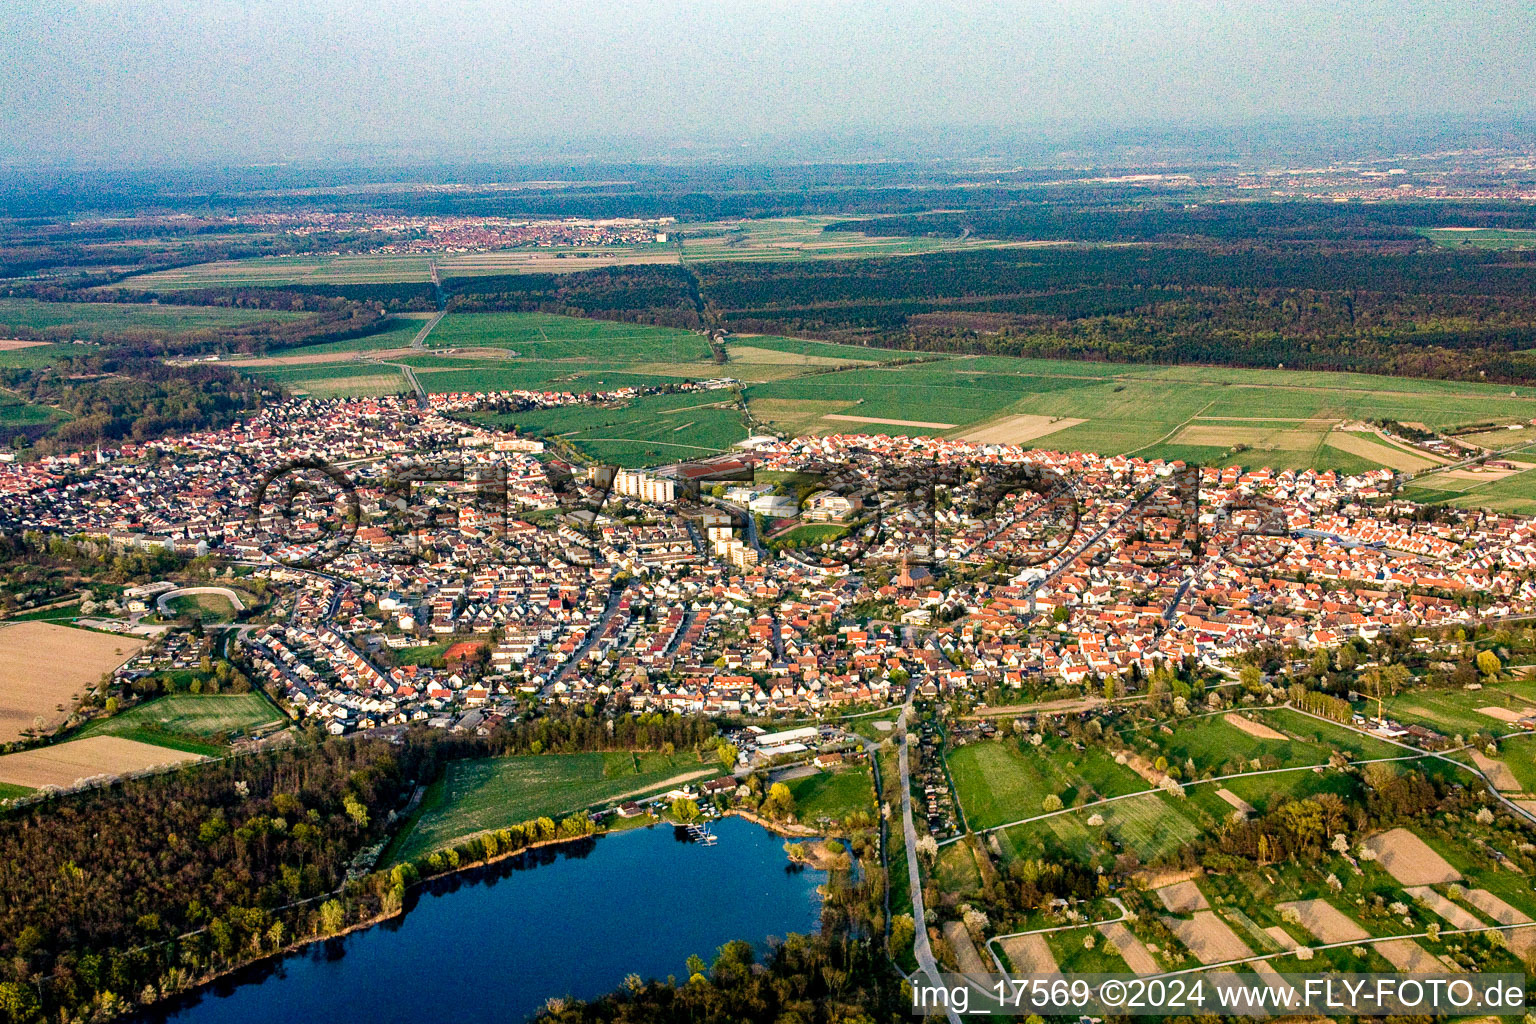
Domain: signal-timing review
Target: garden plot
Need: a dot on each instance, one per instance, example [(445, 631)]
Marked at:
[(1209, 938), (1252, 728), (1498, 773), (1409, 859), (1029, 954), (1448, 911), (1331, 925), (1521, 940), (1237, 802), (965, 950), (1132, 950), (1183, 898)]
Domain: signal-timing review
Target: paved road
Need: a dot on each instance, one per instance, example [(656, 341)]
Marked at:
[(420, 341), (921, 947)]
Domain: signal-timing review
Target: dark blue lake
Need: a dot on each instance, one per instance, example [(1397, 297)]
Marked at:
[(492, 945)]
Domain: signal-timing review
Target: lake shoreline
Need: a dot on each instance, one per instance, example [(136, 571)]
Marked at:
[(165, 1006)]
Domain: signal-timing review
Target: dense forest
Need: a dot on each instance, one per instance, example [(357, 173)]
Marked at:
[(114, 895), (112, 400), (656, 294), (806, 980), (1226, 222), (1412, 313)]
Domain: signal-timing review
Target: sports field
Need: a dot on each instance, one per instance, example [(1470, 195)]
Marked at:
[(475, 796), (212, 715)]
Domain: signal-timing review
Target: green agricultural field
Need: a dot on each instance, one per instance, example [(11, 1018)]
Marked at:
[(1452, 712), (476, 796), (1224, 416), (35, 357), (1512, 493), (1218, 747), (16, 414), (1073, 957), (998, 782), (271, 271), (1259, 790), (1150, 826), (214, 716), (829, 797), (547, 337), (1519, 754), (805, 238), (399, 332), (93, 319), (647, 431)]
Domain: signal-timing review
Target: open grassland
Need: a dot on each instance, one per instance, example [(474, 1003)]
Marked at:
[(829, 797), (476, 796), (46, 668), (212, 715), (999, 781), (66, 764), (1217, 746), (94, 319), (15, 413)]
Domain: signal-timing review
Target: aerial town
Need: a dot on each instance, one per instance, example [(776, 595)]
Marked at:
[(656, 586)]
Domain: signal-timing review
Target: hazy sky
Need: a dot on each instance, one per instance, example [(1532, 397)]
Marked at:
[(258, 79)]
